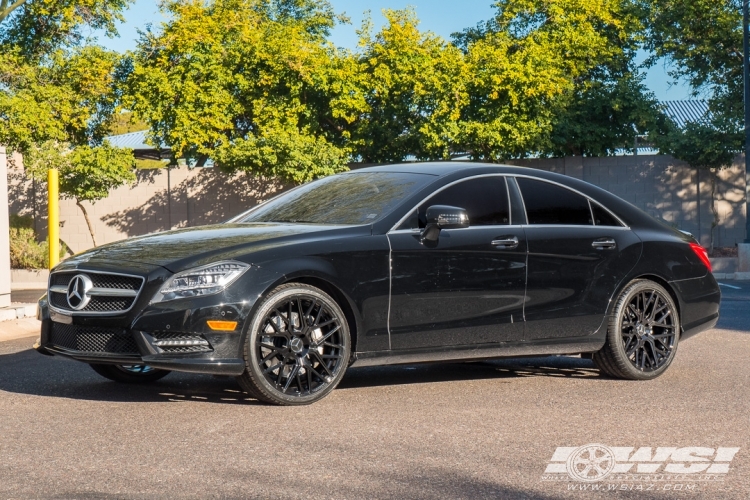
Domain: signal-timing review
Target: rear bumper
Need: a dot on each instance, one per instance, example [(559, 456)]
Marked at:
[(699, 300), (702, 327)]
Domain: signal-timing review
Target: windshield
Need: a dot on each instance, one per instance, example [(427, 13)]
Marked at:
[(347, 199)]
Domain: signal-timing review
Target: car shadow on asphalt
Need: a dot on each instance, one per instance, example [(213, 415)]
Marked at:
[(551, 366), (28, 372)]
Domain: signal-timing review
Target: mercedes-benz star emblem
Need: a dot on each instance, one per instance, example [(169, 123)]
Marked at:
[(78, 291)]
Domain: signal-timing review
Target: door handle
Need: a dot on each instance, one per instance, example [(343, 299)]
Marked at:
[(505, 242), (604, 244)]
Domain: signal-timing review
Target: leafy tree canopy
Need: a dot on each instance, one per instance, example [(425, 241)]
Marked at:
[(414, 87), (249, 82), (702, 42), (526, 66), (86, 173), (37, 27)]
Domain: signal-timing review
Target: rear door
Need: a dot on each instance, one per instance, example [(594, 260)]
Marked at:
[(468, 288), (578, 254)]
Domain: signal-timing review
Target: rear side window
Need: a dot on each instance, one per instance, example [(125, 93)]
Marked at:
[(602, 217), (551, 204), (485, 199)]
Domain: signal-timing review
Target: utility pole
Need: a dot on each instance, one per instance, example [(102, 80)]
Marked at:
[(746, 65), (4, 233), (53, 219)]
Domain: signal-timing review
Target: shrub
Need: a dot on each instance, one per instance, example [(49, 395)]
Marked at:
[(25, 251), (19, 221)]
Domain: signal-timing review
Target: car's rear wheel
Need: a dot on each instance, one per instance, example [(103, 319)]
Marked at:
[(130, 374), (642, 334), (297, 347)]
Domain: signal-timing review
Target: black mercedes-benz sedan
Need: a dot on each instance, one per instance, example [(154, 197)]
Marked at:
[(396, 264)]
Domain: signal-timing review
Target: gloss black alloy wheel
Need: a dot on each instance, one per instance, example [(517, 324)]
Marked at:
[(297, 348), (643, 333), (130, 374)]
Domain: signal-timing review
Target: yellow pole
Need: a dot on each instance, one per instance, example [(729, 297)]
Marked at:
[(53, 219)]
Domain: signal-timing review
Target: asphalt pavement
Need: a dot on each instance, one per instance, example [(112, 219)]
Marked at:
[(472, 430)]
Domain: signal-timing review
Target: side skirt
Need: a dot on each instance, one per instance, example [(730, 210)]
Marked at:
[(482, 351)]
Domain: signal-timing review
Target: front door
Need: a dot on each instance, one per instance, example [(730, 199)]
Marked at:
[(468, 288)]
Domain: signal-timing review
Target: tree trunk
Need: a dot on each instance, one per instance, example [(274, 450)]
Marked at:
[(88, 222), (714, 210)]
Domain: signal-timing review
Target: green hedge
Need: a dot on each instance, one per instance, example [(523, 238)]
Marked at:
[(25, 251)]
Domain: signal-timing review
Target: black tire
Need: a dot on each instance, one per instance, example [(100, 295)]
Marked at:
[(297, 347), (642, 334), (130, 374)]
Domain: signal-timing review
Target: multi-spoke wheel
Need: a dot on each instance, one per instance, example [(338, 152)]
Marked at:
[(131, 374), (297, 347), (643, 333)]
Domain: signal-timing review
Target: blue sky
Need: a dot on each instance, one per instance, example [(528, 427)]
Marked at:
[(439, 16)]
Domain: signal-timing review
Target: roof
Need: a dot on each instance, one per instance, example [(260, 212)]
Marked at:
[(684, 112), (133, 140)]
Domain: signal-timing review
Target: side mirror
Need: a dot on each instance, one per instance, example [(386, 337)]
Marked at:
[(443, 217)]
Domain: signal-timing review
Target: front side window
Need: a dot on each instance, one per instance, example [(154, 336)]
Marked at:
[(551, 204), (485, 200), (346, 199)]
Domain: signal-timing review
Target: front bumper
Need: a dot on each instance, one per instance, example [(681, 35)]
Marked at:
[(138, 337), (219, 357)]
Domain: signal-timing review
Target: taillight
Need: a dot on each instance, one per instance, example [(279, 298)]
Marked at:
[(702, 255)]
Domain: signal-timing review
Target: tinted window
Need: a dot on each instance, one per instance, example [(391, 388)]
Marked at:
[(550, 204), (602, 217), (355, 198), (485, 200)]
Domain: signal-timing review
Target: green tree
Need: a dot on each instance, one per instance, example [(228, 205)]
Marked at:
[(250, 83), (37, 27), (414, 87), (600, 115), (609, 105), (59, 96), (86, 173), (526, 66), (701, 40)]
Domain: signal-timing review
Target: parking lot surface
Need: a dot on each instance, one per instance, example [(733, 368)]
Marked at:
[(472, 430)]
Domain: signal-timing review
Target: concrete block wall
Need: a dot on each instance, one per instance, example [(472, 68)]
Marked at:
[(160, 200), (665, 187)]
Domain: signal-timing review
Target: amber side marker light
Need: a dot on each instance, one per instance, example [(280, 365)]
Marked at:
[(702, 255), (223, 326)]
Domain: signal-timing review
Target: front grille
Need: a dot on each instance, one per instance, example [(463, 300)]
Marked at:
[(100, 280), (176, 338), (93, 339), (111, 293)]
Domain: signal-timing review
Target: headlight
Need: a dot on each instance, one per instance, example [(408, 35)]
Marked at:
[(204, 280)]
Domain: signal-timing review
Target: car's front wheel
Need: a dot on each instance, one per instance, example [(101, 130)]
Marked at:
[(130, 374), (297, 348), (642, 334)]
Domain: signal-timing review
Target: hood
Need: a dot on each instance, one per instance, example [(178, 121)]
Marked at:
[(180, 249)]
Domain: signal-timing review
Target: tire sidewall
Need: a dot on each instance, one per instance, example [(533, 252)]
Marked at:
[(252, 363), (615, 328)]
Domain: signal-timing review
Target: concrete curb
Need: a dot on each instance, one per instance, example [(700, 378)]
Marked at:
[(732, 276), (18, 311)]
